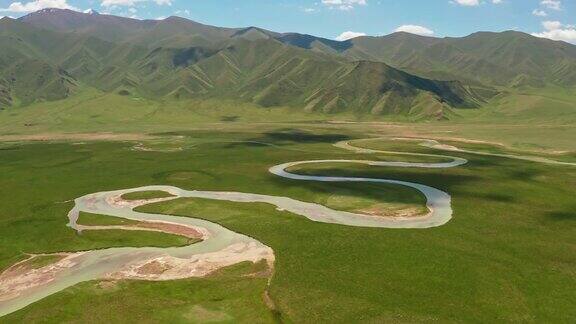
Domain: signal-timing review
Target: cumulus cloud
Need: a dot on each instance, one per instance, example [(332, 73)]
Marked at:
[(557, 31), (539, 13), (344, 4), (348, 35), (473, 3), (415, 29), (552, 4), (37, 5), (182, 12), (551, 25), (129, 3), (468, 3)]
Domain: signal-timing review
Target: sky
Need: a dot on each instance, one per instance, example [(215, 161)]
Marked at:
[(343, 19)]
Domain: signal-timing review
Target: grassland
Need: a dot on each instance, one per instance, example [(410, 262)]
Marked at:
[(146, 195), (508, 254), (102, 220), (541, 120)]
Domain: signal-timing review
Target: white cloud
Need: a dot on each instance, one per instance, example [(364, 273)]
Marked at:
[(474, 3), (344, 4), (130, 3), (349, 35), (37, 5), (551, 25), (415, 29), (182, 12), (557, 31), (468, 3), (110, 3), (552, 4), (539, 13)]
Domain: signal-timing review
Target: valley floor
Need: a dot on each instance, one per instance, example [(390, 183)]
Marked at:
[(508, 254)]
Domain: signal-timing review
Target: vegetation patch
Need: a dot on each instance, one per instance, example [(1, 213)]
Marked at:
[(103, 220), (122, 238), (147, 195)]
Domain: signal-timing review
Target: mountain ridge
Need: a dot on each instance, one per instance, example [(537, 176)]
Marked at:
[(178, 58), (448, 58)]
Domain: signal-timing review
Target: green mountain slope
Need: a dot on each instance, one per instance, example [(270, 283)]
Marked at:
[(251, 65), (170, 32), (508, 59), (505, 59), (25, 73)]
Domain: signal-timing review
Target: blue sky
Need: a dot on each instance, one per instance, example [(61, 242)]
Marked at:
[(331, 18)]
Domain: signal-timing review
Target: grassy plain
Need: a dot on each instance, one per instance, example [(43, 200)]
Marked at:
[(532, 119), (145, 195), (508, 254), (102, 220)]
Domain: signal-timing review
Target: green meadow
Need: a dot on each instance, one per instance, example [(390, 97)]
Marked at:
[(145, 195), (507, 255), (123, 103)]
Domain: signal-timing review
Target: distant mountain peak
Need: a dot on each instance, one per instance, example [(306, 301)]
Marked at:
[(51, 12), (253, 33), (91, 12), (176, 18), (48, 10)]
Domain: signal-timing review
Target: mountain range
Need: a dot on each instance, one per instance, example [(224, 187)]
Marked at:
[(52, 54)]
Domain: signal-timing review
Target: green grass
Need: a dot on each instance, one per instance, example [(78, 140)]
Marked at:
[(399, 146), (118, 238), (127, 237), (390, 200), (549, 125), (550, 105), (103, 220), (507, 256), (94, 111), (494, 149), (484, 274), (368, 198), (146, 195)]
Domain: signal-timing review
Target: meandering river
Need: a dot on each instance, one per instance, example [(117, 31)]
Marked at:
[(220, 246)]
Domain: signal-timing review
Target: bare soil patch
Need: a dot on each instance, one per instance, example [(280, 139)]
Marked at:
[(187, 231), (171, 268), (23, 276)]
